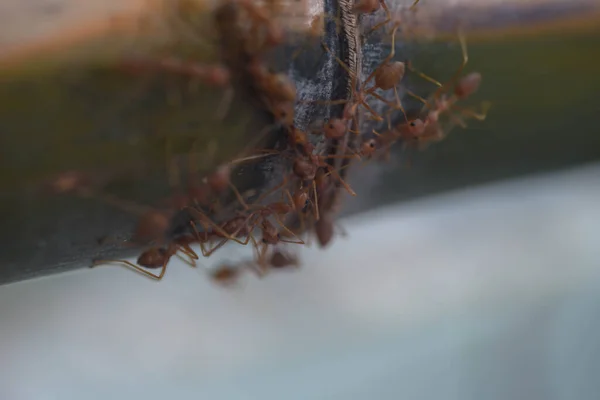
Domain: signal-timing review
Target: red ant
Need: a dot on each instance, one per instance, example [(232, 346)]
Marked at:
[(152, 229), (158, 257), (215, 75), (226, 275), (261, 18), (463, 88), (276, 86)]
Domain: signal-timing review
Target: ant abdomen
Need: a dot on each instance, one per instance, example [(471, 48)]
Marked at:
[(468, 85)]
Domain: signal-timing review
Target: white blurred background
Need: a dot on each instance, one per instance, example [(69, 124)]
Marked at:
[(488, 293)]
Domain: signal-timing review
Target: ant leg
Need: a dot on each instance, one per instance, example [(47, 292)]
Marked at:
[(291, 199), (470, 113), (263, 196), (203, 217), (239, 196), (316, 202), (388, 18), (457, 121), (254, 157), (397, 106), (354, 79), (421, 99), (422, 75), (285, 228), (463, 64), (208, 253), (342, 64), (133, 266), (187, 250), (259, 266), (340, 179), (205, 253), (465, 55), (414, 5), (374, 115), (325, 102)]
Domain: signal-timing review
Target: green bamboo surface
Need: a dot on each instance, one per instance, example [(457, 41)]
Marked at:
[(76, 111)]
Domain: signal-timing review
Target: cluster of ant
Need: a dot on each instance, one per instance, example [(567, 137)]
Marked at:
[(311, 188)]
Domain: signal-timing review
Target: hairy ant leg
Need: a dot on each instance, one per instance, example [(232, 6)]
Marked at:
[(156, 257), (131, 265)]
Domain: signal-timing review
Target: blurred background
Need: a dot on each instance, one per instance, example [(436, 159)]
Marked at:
[(473, 273)]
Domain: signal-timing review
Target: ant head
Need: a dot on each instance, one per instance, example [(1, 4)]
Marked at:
[(306, 169), (299, 137), (368, 147), (335, 129), (416, 127), (283, 113)]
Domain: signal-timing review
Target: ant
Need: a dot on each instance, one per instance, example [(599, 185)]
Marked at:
[(226, 275), (276, 86), (387, 75), (462, 89), (151, 229), (214, 75), (261, 19), (159, 257), (277, 210)]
